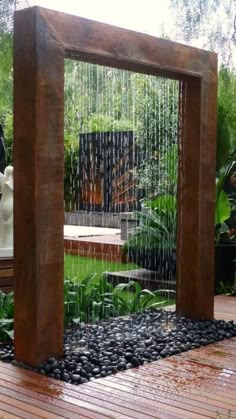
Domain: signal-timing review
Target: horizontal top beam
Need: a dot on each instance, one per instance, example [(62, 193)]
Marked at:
[(88, 40)]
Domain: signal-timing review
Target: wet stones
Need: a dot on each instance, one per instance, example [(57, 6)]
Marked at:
[(105, 348)]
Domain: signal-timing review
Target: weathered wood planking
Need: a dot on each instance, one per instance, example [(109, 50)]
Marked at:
[(197, 384), (38, 189)]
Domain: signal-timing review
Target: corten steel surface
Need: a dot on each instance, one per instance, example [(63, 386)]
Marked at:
[(42, 40), (196, 384)]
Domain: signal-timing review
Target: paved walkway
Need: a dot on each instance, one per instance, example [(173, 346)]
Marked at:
[(85, 231)]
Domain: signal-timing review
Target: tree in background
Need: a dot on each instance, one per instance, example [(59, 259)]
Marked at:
[(7, 8), (226, 115), (209, 24), (156, 130)]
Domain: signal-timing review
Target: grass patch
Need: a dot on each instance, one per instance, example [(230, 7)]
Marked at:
[(81, 267)]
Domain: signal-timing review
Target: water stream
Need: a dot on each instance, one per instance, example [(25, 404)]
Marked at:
[(121, 167)]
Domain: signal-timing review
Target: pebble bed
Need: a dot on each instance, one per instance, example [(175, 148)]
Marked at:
[(104, 348)]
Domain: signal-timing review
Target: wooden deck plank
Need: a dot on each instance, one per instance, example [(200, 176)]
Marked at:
[(83, 394), (70, 393), (54, 390), (225, 307), (181, 386), (196, 384), (165, 396), (186, 380), (155, 386), (4, 412), (52, 409), (47, 395), (26, 409), (149, 387)]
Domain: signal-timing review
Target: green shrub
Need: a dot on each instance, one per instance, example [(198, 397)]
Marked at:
[(6, 316), (156, 225), (95, 298), (91, 299), (87, 300)]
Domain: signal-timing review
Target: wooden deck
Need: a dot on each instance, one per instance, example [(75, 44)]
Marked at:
[(196, 384)]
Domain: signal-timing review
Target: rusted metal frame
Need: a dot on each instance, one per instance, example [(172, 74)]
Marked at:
[(195, 244), (197, 69), (105, 44), (38, 189), (43, 38)]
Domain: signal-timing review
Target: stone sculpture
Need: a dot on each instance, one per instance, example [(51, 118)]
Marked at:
[(6, 211), (2, 151)]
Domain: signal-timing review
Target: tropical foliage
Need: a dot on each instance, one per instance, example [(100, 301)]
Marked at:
[(88, 300), (156, 224), (226, 116), (226, 151), (225, 202), (6, 64), (95, 298), (6, 316)]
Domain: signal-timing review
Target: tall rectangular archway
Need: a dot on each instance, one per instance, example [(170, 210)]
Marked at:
[(42, 40)]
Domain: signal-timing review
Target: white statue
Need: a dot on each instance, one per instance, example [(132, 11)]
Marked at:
[(6, 209)]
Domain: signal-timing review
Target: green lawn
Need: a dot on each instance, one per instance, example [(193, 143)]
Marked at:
[(80, 266)]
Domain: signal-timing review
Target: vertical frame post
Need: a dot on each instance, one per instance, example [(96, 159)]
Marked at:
[(196, 199), (38, 189)]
